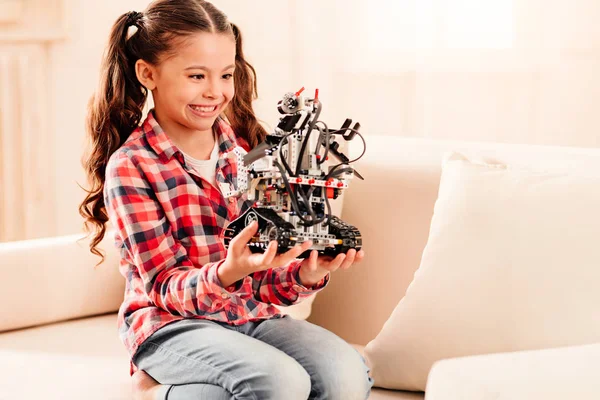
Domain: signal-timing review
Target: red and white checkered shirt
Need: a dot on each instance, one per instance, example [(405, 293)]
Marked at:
[(169, 230)]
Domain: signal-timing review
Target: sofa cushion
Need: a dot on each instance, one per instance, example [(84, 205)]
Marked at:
[(74, 360), (511, 264), (80, 359), (551, 374), (54, 279)]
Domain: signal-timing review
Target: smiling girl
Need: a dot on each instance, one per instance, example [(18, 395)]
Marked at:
[(198, 320)]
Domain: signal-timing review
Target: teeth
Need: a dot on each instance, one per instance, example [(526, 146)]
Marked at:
[(204, 109)]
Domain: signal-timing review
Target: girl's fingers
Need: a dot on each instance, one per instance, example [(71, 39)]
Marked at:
[(349, 259), (359, 256), (240, 241), (269, 253), (303, 247), (312, 261), (336, 262), (294, 252)]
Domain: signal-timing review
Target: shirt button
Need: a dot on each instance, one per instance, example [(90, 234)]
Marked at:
[(224, 295)]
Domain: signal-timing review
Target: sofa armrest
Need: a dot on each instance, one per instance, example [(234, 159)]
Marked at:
[(550, 374), (54, 279)]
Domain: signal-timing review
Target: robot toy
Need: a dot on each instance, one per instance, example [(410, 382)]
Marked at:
[(290, 185)]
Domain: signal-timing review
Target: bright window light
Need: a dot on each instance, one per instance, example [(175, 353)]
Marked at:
[(482, 24), (426, 24)]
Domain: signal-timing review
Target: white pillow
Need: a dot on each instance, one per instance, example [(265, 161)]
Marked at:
[(551, 374), (512, 263)]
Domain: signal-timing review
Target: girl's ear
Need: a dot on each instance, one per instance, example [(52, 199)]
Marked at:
[(146, 74)]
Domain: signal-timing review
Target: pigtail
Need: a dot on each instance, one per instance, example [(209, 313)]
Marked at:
[(240, 112), (113, 113), (116, 108)]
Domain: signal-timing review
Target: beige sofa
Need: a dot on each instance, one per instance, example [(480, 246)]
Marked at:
[(59, 337)]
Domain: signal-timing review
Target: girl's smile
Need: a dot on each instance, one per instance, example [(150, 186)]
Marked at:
[(205, 111)]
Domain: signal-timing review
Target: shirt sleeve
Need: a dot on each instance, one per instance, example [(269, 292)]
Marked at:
[(170, 279), (282, 286)]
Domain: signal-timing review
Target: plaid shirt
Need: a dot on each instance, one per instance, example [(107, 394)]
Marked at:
[(169, 230)]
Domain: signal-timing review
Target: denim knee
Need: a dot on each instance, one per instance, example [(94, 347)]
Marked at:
[(344, 378), (281, 378)]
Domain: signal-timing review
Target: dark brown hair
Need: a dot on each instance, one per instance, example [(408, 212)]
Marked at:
[(115, 110)]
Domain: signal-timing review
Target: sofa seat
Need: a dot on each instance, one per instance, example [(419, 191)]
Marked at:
[(570, 372), (80, 359)]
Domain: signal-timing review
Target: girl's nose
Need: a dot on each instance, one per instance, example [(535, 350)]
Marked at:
[(212, 90), (209, 94)]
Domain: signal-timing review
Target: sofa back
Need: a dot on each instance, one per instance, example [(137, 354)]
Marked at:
[(392, 208), (54, 279)]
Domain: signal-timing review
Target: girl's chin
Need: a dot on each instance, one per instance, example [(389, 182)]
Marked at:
[(199, 123), (200, 127)]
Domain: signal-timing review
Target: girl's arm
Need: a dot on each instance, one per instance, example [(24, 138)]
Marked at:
[(282, 286), (170, 279)]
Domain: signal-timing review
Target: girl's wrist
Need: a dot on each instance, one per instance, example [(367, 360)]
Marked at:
[(309, 279), (228, 275)]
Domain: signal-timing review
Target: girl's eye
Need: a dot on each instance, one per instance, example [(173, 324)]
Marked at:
[(197, 76), (227, 76)]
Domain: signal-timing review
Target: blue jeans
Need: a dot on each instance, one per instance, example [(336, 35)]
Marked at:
[(279, 359)]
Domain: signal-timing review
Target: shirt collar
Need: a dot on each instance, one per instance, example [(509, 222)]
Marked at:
[(158, 139)]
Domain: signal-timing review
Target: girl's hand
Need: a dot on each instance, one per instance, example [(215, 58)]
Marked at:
[(240, 261), (314, 268)]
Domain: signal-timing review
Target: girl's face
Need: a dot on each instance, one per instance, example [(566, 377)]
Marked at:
[(192, 87)]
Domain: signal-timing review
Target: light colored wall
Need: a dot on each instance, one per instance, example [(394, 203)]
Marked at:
[(517, 71), (544, 89)]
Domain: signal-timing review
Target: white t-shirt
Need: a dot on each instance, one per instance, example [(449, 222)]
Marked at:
[(205, 168)]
